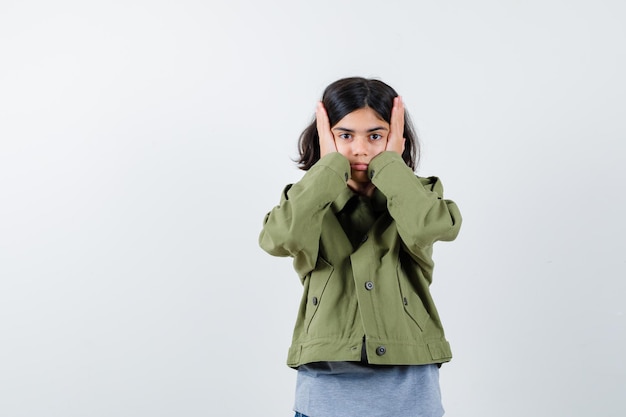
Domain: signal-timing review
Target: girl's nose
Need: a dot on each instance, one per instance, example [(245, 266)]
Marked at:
[(359, 146)]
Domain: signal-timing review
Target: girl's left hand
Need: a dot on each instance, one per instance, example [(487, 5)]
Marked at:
[(395, 140)]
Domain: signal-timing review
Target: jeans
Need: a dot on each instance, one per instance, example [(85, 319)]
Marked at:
[(299, 415)]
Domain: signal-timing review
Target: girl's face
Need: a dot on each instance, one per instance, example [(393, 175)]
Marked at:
[(360, 136)]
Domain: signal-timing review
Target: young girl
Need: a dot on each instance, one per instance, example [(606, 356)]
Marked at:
[(360, 226)]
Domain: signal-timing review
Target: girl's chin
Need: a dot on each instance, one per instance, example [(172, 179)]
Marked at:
[(360, 176)]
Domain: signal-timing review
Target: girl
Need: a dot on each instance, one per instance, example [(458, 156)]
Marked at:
[(360, 226)]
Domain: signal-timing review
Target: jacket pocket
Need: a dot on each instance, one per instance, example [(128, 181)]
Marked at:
[(317, 285), (413, 305)]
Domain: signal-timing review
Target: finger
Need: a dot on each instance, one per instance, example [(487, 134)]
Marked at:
[(395, 141), (323, 124), (327, 141), (397, 118)]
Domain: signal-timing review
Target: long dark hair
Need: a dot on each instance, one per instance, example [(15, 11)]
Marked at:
[(345, 96)]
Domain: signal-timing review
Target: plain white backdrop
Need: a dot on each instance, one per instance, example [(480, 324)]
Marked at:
[(142, 142)]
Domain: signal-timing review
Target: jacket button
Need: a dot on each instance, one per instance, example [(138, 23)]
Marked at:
[(369, 285), (346, 176), (314, 301), (406, 302), (372, 174), (363, 239), (381, 350)]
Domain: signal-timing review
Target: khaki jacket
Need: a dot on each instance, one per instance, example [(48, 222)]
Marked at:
[(378, 293)]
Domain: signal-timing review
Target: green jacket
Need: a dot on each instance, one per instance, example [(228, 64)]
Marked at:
[(378, 293)]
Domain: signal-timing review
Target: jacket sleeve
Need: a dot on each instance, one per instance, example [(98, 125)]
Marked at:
[(416, 204), (293, 228)]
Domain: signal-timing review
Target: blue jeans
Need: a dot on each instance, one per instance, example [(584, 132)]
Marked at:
[(299, 415)]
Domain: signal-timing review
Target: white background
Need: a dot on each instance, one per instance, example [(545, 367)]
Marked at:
[(142, 142)]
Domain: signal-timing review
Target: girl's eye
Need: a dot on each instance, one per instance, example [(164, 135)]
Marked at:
[(344, 136), (375, 136)]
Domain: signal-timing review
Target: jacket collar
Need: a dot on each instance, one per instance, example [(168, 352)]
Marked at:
[(379, 201)]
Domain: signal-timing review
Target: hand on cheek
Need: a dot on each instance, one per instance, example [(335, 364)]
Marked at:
[(327, 141), (395, 140)]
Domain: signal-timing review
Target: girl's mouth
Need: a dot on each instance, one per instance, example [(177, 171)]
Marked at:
[(359, 166)]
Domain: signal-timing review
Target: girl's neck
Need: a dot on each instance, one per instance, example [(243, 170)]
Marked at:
[(365, 189)]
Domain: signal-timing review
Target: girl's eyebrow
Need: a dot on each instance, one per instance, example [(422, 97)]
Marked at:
[(344, 129)]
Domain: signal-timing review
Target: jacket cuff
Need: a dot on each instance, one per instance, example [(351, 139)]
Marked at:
[(382, 160), (337, 163)]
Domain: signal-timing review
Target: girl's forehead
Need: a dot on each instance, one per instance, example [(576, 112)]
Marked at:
[(364, 117)]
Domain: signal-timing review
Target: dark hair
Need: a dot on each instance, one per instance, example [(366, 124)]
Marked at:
[(345, 96)]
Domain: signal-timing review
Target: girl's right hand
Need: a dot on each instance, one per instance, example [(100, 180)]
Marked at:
[(327, 140)]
